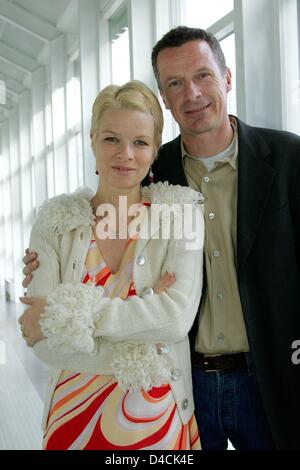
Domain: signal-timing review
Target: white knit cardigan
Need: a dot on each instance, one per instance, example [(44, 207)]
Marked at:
[(143, 340)]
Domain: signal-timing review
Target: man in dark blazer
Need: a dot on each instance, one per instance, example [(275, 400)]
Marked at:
[(255, 403)]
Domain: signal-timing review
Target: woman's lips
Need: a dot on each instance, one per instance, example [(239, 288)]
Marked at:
[(123, 170)]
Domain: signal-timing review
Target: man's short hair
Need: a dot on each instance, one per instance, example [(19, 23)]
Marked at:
[(182, 34)]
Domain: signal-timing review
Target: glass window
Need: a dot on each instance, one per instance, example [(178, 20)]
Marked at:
[(120, 51), (228, 48), (298, 9), (202, 14)]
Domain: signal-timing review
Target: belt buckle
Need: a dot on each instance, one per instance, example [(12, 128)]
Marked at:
[(206, 363)]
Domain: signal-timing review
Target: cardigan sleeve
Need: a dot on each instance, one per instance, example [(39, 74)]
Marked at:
[(166, 317), (47, 276), (77, 320)]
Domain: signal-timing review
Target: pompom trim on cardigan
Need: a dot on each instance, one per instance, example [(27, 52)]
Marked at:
[(66, 212), (69, 316)]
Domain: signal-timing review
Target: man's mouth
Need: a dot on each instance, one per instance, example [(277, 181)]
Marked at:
[(198, 109)]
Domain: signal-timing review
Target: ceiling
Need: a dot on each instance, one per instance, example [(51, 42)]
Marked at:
[(27, 28)]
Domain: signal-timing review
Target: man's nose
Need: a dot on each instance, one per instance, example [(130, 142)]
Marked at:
[(192, 90)]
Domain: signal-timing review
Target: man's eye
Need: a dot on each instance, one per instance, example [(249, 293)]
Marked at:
[(203, 75), (174, 83)]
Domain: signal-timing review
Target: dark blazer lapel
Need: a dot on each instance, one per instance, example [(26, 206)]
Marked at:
[(169, 164), (255, 179)]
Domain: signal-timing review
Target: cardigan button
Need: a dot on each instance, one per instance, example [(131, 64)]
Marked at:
[(176, 374), (163, 349), (184, 404), (147, 291), (141, 260)]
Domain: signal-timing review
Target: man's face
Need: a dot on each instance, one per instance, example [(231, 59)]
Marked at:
[(193, 87)]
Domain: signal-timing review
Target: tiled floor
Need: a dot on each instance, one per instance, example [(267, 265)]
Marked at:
[(22, 385)]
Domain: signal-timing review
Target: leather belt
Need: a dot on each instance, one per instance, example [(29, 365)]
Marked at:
[(220, 362)]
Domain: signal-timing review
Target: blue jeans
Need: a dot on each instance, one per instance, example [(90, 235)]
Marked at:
[(228, 406)]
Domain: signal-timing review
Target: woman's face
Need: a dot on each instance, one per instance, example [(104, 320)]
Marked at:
[(124, 147)]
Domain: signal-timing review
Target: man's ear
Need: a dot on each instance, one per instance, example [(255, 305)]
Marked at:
[(164, 98), (228, 78)]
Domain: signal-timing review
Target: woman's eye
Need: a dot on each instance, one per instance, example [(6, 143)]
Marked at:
[(111, 139), (142, 143)]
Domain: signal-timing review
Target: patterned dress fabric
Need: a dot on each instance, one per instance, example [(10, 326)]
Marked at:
[(91, 412)]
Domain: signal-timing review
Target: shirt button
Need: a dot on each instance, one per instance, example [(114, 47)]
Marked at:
[(216, 253), (147, 290), (220, 295), (220, 337), (211, 216), (206, 179), (184, 404), (141, 260)]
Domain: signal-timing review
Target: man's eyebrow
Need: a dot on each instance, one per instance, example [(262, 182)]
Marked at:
[(176, 77)]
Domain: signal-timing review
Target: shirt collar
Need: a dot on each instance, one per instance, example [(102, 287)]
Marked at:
[(229, 155)]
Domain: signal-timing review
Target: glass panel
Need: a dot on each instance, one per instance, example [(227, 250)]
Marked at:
[(120, 52), (298, 9), (228, 48), (79, 159), (202, 14), (120, 58), (73, 102)]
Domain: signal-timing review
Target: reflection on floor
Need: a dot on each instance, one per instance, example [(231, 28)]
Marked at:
[(22, 385)]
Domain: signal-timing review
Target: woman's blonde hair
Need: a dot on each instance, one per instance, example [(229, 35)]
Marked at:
[(133, 95)]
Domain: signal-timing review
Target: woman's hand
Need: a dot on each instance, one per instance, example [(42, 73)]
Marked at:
[(167, 280), (29, 321), (31, 264)]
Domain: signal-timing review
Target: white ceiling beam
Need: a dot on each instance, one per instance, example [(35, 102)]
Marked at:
[(5, 109), (17, 58), (2, 28), (21, 18), (14, 85), (12, 94)]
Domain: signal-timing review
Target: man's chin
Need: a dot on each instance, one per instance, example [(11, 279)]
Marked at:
[(199, 129)]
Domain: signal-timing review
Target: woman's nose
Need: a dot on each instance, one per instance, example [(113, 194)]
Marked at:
[(125, 152)]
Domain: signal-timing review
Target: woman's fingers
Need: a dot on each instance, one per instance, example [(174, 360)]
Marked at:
[(29, 256), (31, 263), (27, 280), (167, 280)]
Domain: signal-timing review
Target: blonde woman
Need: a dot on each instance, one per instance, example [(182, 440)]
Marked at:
[(111, 314)]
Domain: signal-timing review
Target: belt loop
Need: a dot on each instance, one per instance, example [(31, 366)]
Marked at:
[(250, 364)]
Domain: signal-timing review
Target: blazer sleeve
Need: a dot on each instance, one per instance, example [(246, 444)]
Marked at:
[(76, 314), (296, 216)]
